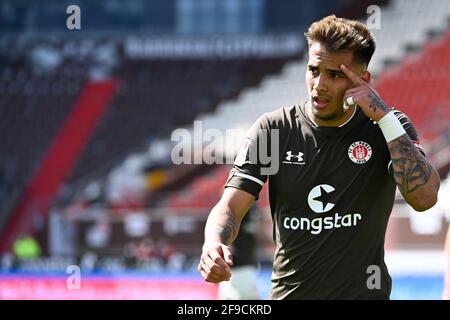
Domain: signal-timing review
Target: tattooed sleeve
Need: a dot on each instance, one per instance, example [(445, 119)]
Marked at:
[(409, 169)]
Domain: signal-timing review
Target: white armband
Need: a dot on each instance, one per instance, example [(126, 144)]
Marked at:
[(391, 127)]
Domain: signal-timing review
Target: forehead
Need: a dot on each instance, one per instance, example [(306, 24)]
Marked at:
[(319, 55)]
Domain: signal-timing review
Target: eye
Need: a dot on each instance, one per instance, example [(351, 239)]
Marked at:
[(335, 75), (314, 71)]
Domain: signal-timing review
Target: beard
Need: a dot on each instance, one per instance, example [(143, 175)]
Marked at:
[(334, 115)]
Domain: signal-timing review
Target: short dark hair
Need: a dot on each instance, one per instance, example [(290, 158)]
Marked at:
[(343, 34)]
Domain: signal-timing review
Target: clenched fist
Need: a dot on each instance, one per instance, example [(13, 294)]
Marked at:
[(215, 262)]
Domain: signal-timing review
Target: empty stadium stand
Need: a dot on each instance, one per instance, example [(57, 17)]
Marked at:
[(157, 96), (33, 105), (149, 98)]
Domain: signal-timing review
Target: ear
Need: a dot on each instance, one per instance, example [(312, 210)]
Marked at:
[(366, 76)]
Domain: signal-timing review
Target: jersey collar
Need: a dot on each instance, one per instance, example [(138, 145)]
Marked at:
[(340, 126)]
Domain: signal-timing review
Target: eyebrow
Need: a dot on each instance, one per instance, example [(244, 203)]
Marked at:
[(335, 71)]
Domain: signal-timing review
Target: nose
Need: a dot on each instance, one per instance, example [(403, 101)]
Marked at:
[(320, 84)]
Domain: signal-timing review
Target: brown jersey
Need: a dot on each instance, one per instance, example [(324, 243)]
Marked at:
[(331, 195)]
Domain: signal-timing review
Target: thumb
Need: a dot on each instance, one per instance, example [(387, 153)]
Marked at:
[(227, 255)]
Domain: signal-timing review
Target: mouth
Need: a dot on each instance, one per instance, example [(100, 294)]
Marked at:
[(320, 102)]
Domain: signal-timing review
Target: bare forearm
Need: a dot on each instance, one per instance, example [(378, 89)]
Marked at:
[(222, 225), (416, 178)]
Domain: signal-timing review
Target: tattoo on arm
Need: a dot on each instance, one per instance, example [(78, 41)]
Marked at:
[(229, 230), (377, 103), (411, 170)]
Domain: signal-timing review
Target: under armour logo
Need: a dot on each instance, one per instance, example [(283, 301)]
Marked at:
[(289, 156)]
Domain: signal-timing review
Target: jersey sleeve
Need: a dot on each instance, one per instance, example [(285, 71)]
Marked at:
[(410, 131), (248, 172)]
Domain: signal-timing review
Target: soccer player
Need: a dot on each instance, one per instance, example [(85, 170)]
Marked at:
[(339, 158)]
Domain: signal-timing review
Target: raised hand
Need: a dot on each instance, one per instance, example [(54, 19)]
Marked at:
[(365, 96)]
